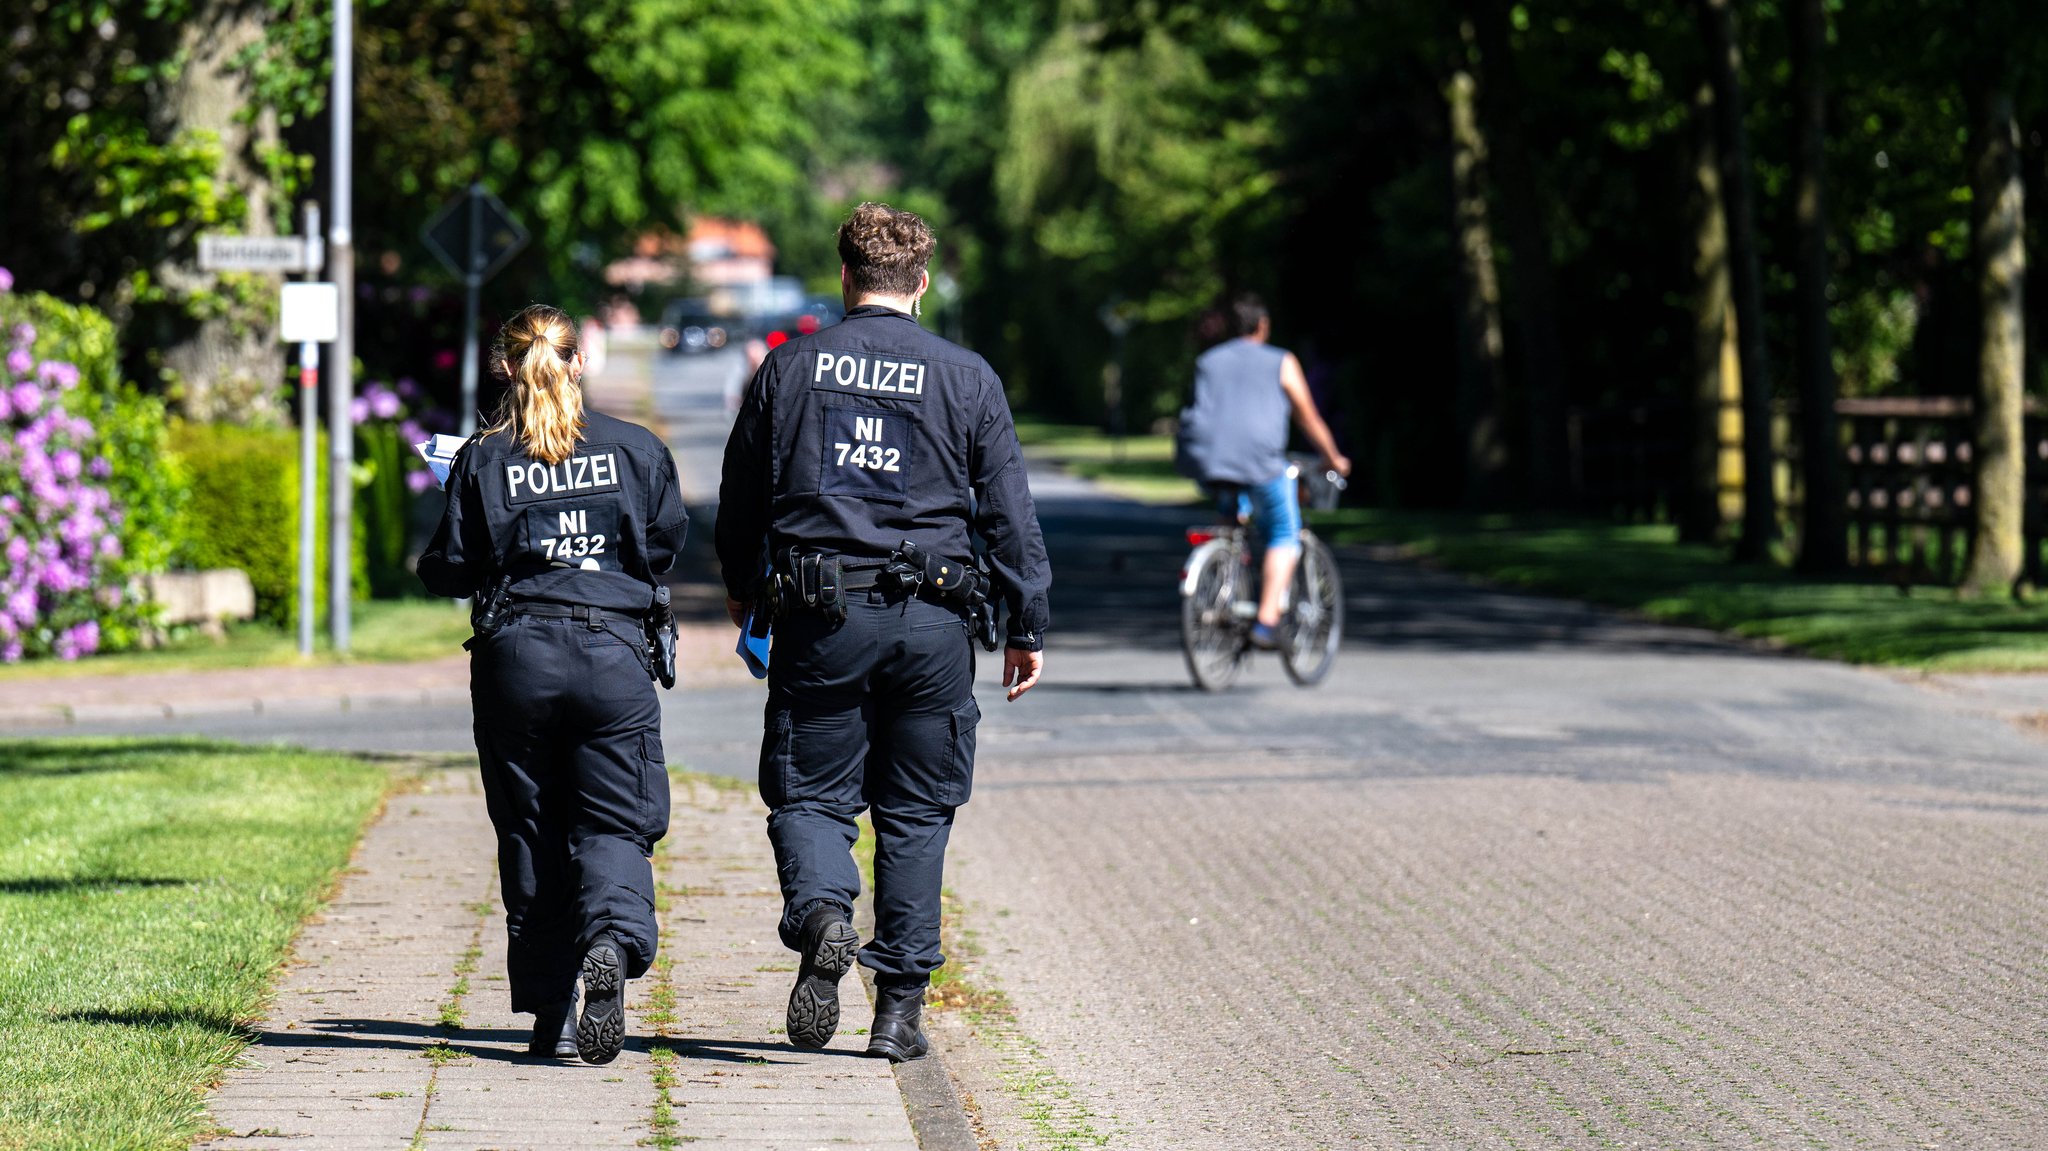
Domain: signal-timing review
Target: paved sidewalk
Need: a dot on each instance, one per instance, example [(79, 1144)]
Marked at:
[(391, 1028)]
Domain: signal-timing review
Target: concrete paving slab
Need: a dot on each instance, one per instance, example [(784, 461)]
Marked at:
[(392, 1027)]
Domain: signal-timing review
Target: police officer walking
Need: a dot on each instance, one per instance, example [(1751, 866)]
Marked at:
[(865, 459), (559, 520)]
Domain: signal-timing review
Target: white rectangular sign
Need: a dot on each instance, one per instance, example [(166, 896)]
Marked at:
[(258, 254), (309, 314)]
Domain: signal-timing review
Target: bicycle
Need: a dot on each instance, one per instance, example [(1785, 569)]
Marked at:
[(1219, 588)]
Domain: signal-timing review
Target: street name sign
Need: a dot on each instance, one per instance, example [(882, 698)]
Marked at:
[(219, 253)]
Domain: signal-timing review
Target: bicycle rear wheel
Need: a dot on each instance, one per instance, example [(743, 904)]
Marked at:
[(1315, 618), (1209, 635)]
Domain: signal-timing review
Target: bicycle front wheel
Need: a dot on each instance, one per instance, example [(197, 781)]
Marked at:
[(1209, 635), (1315, 618)]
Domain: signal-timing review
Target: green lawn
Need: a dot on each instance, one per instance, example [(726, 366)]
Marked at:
[(148, 889), (1643, 568), (1138, 468), (381, 631)]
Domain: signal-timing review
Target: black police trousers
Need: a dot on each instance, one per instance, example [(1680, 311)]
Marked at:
[(873, 713), (569, 733)]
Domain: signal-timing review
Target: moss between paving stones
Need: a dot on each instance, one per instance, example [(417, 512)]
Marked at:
[(149, 889)]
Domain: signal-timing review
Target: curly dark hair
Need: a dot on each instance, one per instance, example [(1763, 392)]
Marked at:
[(885, 250)]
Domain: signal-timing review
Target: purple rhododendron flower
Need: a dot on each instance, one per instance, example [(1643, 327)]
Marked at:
[(100, 468), (10, 652), (19, 361), (6, 280), (28, 399), (419, 481), (384, 403), (24, 334), (17, 551), (408, 388), (69, 464), (358, 410)]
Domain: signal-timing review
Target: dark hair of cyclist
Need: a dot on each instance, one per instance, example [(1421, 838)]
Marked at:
[(1248, 311), (885, 250)]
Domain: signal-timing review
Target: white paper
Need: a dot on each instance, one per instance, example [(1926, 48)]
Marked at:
[(439, 452)]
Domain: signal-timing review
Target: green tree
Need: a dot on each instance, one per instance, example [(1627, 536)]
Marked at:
[(1823, 543), (593, 121)]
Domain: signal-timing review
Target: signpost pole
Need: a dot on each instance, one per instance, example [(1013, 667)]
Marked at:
[(473, 281), (341, 387), (309, 454)]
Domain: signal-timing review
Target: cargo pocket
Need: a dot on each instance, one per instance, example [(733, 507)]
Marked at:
[(958, 781), (775, 760), (654, 797)]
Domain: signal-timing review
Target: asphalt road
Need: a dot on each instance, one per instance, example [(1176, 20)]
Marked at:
[(1521, 874)]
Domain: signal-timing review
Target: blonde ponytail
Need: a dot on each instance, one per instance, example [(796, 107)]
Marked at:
[(543, 408)]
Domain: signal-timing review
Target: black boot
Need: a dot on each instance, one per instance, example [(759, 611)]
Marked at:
[(603, 1029), (554, 1031), (898, 1033), (828, 942)]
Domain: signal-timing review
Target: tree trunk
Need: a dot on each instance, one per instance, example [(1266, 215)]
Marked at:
[(1535, 293), (1481, 384), (1824, 541), (1998, 240), (227, 367), (1699, 510), (1724, 72)]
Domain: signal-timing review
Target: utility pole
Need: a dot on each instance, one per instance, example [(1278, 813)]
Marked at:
[(309, 450), (472, 284), (341, 447)]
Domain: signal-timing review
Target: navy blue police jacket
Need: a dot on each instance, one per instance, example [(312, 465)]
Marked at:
[(863, 435), (597, 529)]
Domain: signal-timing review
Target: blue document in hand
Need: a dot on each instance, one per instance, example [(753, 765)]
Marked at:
[(439, 452), (753, 649)]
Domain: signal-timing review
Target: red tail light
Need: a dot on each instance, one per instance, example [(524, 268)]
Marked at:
[(777, 339), (805, 325), (1199, 536)]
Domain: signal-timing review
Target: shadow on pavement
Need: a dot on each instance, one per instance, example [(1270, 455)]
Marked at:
[(1116, 571), (50, 885)]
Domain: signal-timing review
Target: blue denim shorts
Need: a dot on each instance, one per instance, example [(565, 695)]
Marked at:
[(1273, 507)]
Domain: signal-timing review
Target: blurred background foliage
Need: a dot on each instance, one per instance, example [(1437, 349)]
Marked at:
[(1084, 161)]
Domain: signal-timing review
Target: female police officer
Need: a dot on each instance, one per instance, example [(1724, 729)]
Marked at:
[(559, 521), (864, 459)]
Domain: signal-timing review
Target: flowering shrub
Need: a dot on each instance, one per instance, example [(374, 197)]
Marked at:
[(60, 518), (392, 477)]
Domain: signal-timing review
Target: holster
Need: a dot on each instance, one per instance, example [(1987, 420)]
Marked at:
[(661, 639), (487, 611), (959, 586)]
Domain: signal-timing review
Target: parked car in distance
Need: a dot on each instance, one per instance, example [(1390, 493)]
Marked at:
[(817, 312), (688, 326)]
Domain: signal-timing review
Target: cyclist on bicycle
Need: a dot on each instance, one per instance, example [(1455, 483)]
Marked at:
[(1233, 439)]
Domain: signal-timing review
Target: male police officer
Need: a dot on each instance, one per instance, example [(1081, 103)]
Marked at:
[(864, 459)]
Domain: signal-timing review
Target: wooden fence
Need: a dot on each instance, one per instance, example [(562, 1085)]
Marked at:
[(1906, 469)]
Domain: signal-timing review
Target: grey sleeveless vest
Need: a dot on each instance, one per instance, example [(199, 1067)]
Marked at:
[(1235, 431)]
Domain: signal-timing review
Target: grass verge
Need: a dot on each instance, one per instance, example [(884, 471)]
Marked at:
[(148, 891), (1643, 567), (381, 631), (1138, 467)]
